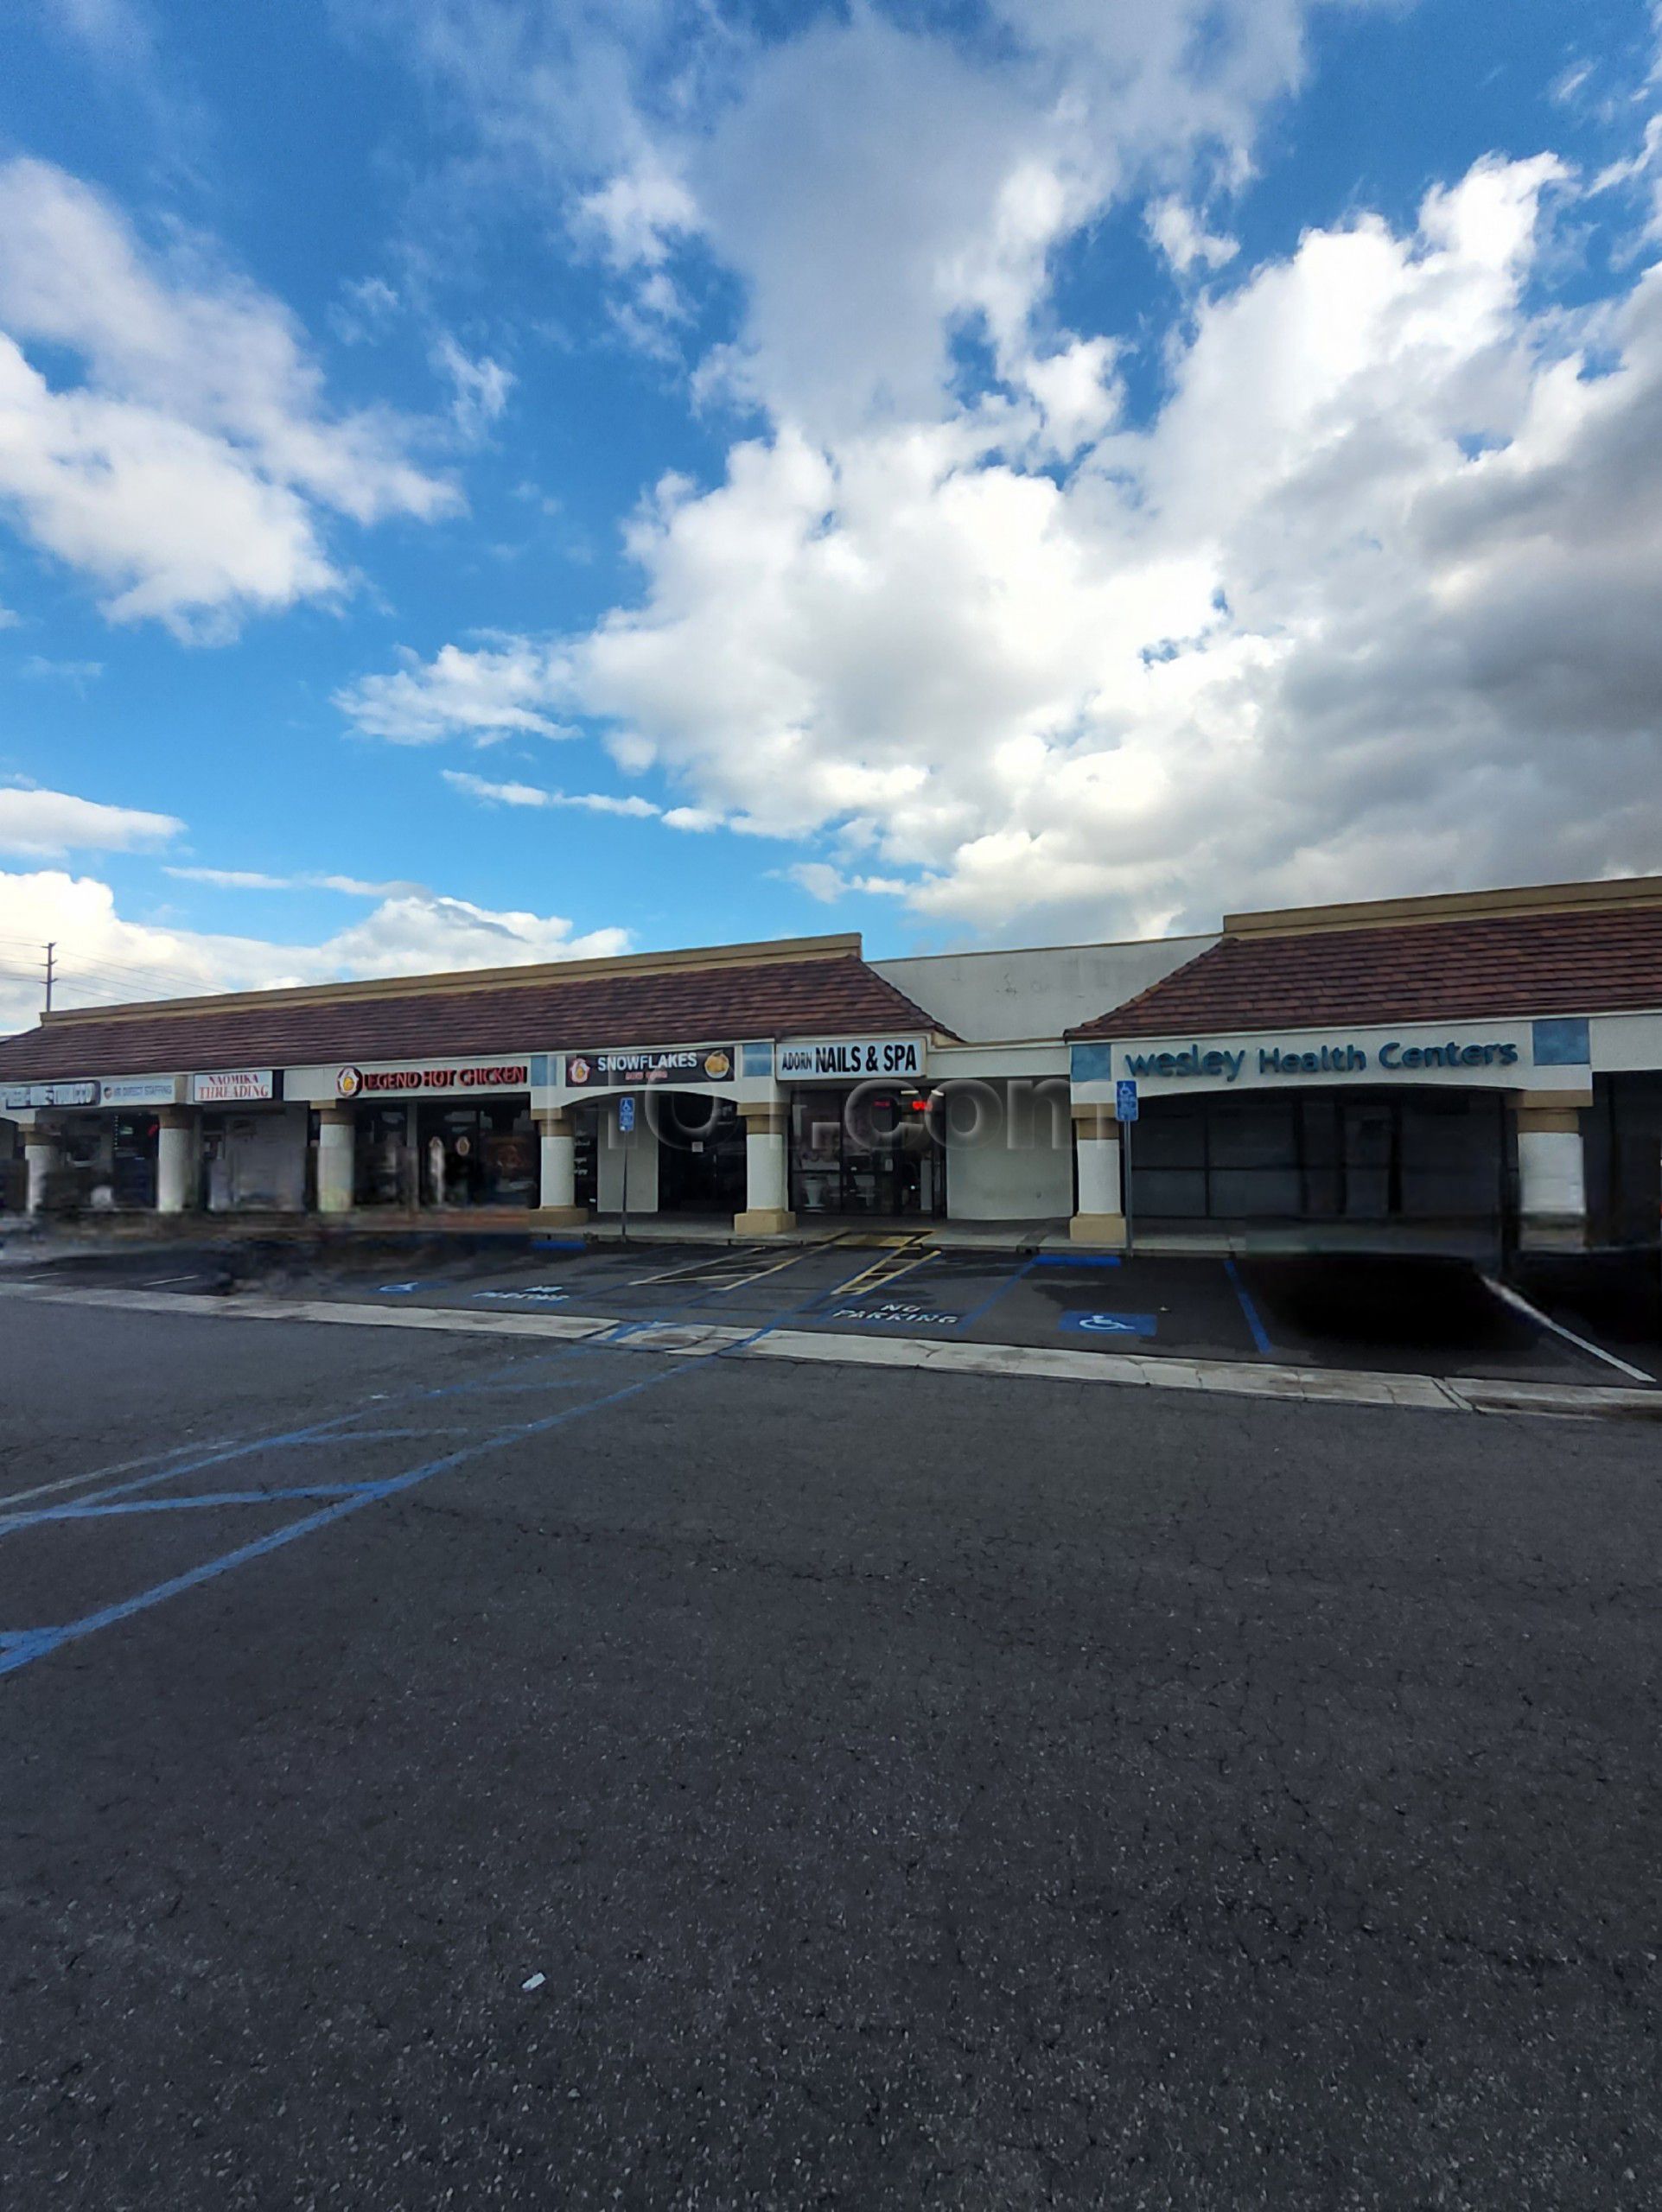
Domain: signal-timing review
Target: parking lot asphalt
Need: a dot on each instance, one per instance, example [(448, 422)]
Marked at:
[(1380, 1313), (567, 1775)]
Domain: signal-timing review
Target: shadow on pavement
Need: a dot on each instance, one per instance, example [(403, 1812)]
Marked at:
[(1438, 1316)]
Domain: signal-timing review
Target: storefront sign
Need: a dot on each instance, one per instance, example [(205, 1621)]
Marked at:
[(140, 1091), (233, 1086), (851, 1059), (1394, 1056), (685, 1064), (51, 1094), (362, 1082)]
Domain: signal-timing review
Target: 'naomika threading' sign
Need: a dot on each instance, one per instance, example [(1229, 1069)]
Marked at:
[(851, 1059), (233, 1086)]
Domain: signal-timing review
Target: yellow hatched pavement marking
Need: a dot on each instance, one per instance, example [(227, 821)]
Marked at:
[(901, 1257)]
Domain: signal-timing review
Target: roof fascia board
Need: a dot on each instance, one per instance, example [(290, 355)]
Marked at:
[(1521, 902)]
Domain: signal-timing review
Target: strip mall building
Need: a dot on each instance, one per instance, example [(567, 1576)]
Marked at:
[(1475, 1073)]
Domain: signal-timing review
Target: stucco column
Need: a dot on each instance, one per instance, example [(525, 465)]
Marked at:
[(1552, 1173), (175, 1161), (42, 1149), (1101, 1216), (557, 1206), (337, 1129), (766, 1177)]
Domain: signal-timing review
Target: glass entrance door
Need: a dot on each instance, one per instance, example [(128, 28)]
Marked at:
[(478, 1155), (863, 1153), (701, 1166)]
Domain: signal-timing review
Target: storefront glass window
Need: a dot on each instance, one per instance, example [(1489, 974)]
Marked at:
[(384, 1164), (1356, 1156), (864, 1152), (1169, 1159), (477, 1155), (134, 1179)]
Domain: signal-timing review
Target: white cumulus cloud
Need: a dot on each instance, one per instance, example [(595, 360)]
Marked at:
[(188, 464), (533, 795), (483, 693), (1368, 605), (103, 957), (1362, 599), (45, 825), (480, 387)]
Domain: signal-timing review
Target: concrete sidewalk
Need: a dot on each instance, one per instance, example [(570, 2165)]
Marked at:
[(701, 1338), (41, 1241)]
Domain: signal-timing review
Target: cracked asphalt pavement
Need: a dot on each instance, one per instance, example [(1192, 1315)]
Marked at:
[(655, 1783)]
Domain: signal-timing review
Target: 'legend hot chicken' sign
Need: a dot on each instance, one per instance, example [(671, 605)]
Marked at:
[(364, 1083)]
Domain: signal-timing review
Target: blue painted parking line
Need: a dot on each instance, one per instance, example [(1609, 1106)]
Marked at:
[(20, 1649), (1092, 1323), (39, 1644), (993, 1297), (331, 1431), (1076, 1258), (1260, 1334)]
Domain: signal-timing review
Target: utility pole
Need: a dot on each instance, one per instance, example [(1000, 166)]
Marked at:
[(51, 967)]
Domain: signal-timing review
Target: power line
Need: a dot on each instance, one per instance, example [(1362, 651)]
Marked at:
[(122, 974)]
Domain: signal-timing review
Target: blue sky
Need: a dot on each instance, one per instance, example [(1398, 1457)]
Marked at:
[(481, 481)]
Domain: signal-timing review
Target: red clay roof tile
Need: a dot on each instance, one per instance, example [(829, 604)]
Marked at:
[(1479, 969), (777, 998)]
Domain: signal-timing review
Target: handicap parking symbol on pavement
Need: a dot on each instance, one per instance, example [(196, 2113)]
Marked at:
[(1092, 1323)]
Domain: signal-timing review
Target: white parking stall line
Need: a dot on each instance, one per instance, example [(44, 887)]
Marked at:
[(1519, 1304)]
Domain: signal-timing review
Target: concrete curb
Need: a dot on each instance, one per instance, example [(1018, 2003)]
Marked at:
[(1019, 1363)]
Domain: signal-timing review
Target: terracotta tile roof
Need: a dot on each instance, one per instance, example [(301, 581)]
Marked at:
[(680, 1005), (1473, 971)]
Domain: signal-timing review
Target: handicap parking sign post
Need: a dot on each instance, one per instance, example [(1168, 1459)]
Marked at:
[(625, 1128), (1126, 1112)]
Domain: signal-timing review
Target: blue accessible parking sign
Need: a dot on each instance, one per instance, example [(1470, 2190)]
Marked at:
[(1126, 1107), (1092, 1323)]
